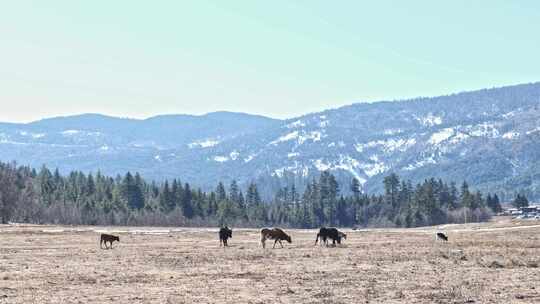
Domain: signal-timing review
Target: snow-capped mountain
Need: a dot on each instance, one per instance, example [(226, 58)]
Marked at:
[(491, 138)]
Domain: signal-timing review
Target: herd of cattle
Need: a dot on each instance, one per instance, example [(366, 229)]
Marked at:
[(276, 234)]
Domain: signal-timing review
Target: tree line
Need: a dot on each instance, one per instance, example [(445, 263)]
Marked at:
[(41, 196)]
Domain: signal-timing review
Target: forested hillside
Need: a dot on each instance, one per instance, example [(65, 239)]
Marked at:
[(31, 196)]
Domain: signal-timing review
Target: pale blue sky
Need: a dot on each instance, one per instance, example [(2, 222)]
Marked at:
[(275, 58)]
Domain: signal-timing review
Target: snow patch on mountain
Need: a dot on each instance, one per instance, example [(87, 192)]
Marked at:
[(324, 122), (510, 135), (234, 155), (300, 137), (350, 165), (313, 136), (429, 120), (374, 168), (438, 137), (37, 135), (11, 142), (33, 135), (392, 131), (221, 159), (287, 137), (510, 114), (458, 137), (537, 129), (484, 130), (292, 154), (295, 169), (321, 166), (70, 132), (205, 143), (296, 124), (421, 163), (388, 145)]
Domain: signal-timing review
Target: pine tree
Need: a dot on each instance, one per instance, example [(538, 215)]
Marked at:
[(166, 199), (355, 188), (220, 192), (47, 186), (520, 201), (467, 199), (212, 205), (131, 192), (234, 192), (341, 213), (187, 204), (496, 204), (391, 184), (90, 185)]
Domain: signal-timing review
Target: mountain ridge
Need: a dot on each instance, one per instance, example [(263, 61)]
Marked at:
[(445, 136)]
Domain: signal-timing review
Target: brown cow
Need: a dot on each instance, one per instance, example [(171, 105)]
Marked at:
[(274, 234), (108, 238)]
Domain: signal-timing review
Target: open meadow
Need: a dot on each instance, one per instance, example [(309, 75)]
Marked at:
[(495, 262)]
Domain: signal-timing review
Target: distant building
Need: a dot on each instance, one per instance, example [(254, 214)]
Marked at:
[(530, 209)]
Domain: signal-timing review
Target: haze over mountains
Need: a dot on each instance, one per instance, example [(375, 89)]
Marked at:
[(491, 138)]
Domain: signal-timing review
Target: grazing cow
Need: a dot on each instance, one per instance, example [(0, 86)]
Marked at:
[(441, 236), (274, 234), (108, 238), (224, 234), (332, 233)]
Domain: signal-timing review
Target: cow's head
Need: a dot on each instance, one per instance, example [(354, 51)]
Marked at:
[(288, 238)]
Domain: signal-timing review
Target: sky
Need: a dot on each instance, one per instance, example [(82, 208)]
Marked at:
[(275, 58)]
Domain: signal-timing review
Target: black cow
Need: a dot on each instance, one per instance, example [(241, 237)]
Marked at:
[(441, 236), (224, 234), (330, 233), (107, 238)]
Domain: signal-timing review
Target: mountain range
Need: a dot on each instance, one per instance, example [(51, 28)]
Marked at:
[(490, 138)]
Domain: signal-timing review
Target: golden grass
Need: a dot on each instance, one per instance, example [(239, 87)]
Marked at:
[(42, 264)]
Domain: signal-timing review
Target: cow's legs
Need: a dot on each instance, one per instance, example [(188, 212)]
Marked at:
[(281, 243), (275, 243), (101, 244), (263, 240)]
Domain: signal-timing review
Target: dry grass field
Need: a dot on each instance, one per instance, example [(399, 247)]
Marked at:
[(482, 263)]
